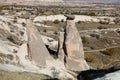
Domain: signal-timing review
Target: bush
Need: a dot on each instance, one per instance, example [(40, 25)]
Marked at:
[(45, 30), (118, 31), (1, 8), (116, 21), (15, 20), (75, 13), (93, 35), (103, 22), (92, 14), (84, 40), (23, 24), (9, 23), (97, 36), (56, 22), (89, 58), (79, 22), (10, 57), (62, 20), (21, 33), (44, 22), (101, 27), (55, 32)]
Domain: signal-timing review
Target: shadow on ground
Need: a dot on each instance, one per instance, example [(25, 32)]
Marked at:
[(92, 74)]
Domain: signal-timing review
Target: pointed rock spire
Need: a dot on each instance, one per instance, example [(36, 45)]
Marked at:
[(73, 47), (37, 50)]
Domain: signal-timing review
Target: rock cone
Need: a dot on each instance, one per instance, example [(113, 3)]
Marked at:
[(73, 48), (37, 50)]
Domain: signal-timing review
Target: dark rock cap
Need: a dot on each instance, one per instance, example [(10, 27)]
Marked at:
[(70, 17)]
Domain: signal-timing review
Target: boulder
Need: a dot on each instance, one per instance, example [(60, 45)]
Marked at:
[(73, 48)]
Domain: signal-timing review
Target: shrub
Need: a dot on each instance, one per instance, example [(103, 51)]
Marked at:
[(45, 30), (1, 8), (116, 21), (23, 24), (101, 27), (9, 56), (44, 22), (92, 14), (56, 22), (10, 38), (75, 13), (97, 36), (15, 20), (9, 23), (118, 31), (103, 22), (93, 35), (79, 22), (62, 20), (84, 40), (21, 33), (55, 32), (89, 58)]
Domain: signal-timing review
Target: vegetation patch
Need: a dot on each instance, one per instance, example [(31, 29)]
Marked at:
[(109, 52), (56, 22), (84, 40)]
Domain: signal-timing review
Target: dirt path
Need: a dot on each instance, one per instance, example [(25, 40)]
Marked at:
[(101, 49), (99, 30)]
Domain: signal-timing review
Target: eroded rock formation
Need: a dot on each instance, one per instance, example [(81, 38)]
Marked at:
[(23, 46), (72, 47), (37, 50)]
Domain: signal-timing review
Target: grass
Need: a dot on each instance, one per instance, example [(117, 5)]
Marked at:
[(94, 25), (89, 58), (109, 52), (1, 7), (5, 75)]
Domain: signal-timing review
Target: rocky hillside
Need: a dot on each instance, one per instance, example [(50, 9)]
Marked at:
[(22, 49), (45, 45)]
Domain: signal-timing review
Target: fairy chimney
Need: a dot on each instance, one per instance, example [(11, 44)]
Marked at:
[(73, 47)]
